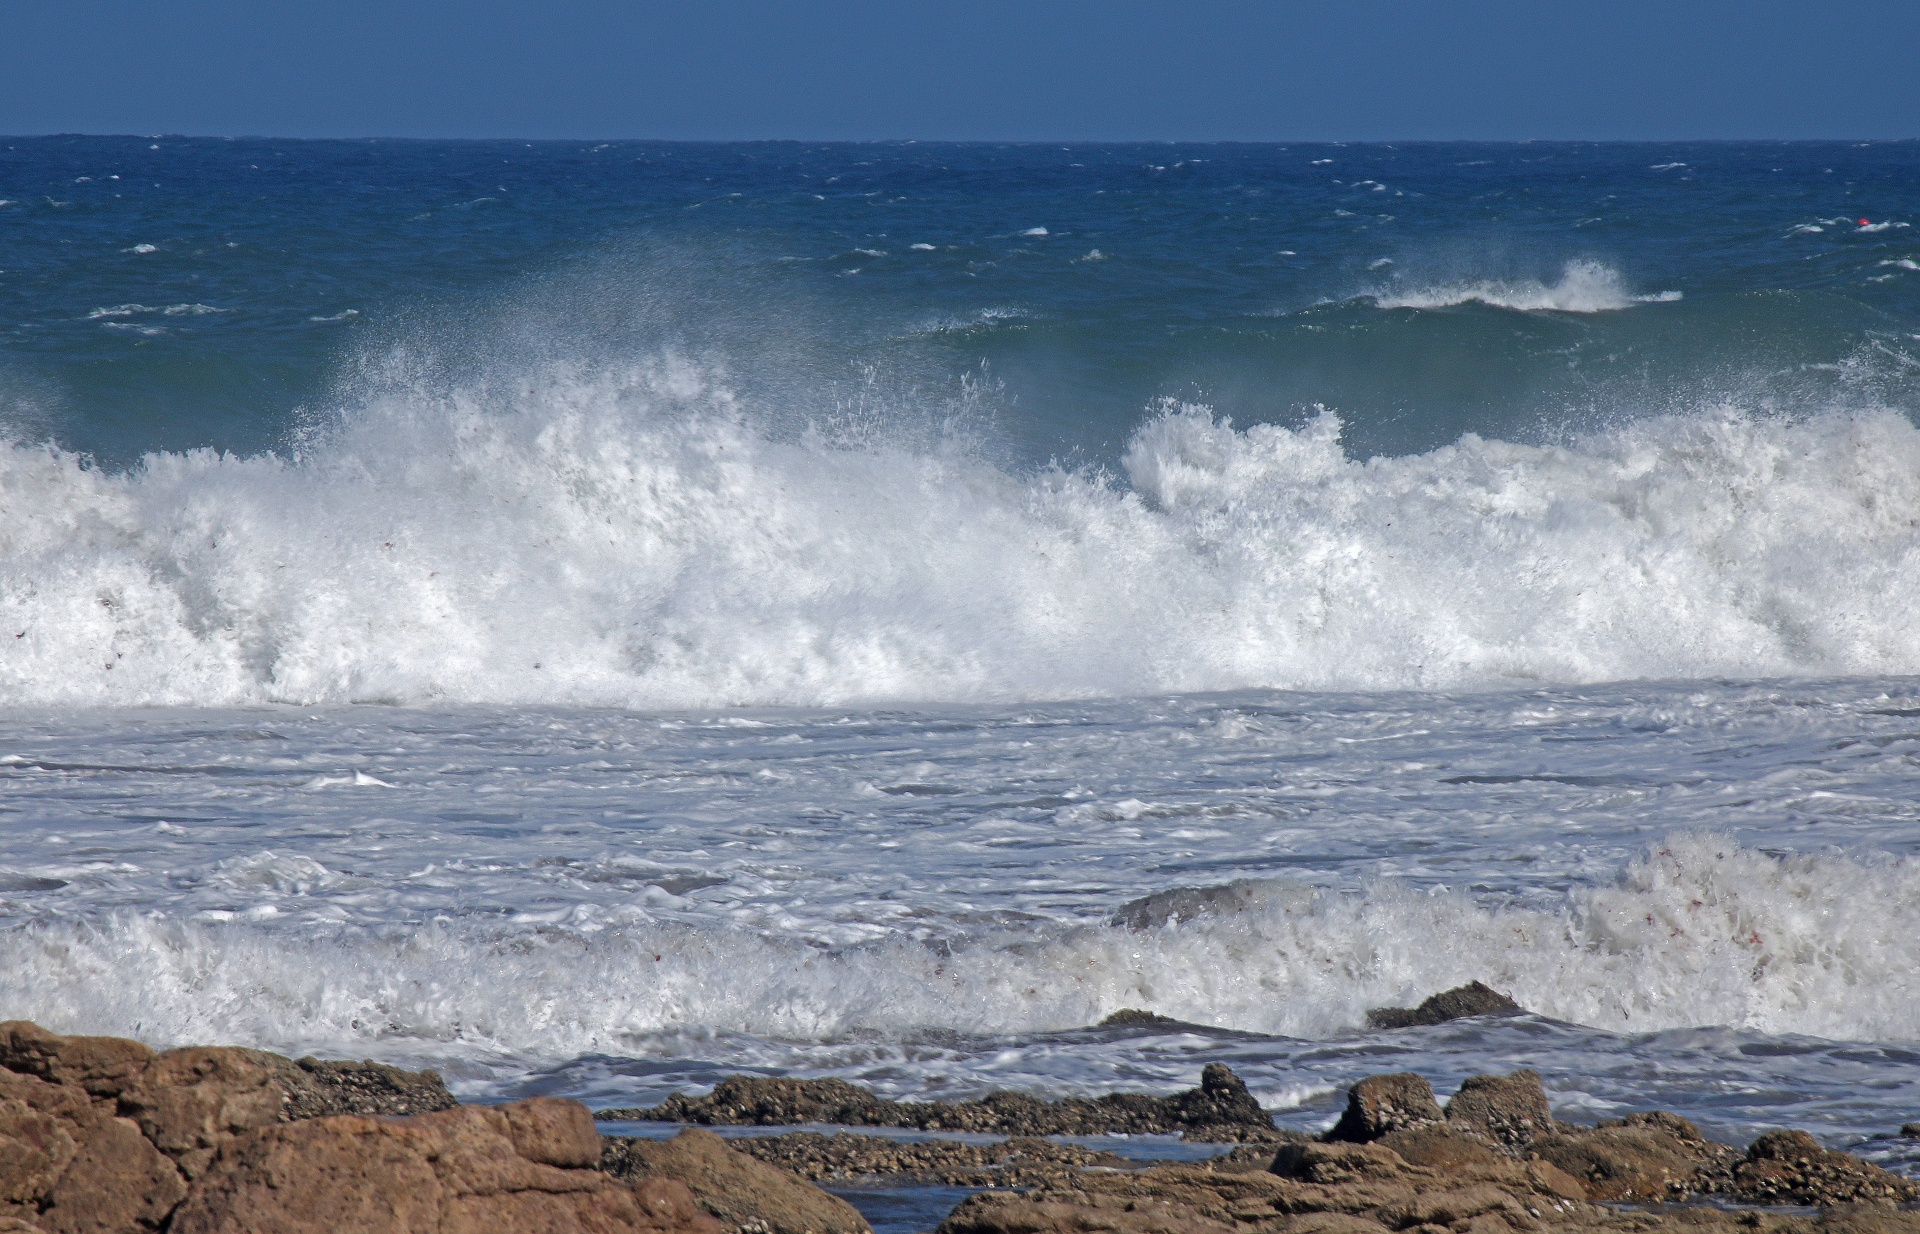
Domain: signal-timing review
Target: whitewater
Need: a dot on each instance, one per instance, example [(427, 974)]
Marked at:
[(635, 539), (595, 619)]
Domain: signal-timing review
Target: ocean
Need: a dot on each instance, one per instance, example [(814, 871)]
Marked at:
[(596, 617)]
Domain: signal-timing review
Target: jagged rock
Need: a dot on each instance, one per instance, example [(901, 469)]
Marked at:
[(118, 1069), (1335, 1188), (1133, 1017), (1653, 1156), (471, 1170), (1791, 1167), (69, 1165), (1510, 1109), (1383, 1103), (743, 1193), (1467, 1000), (739, 1100), (104, 1066), (1184, 904)]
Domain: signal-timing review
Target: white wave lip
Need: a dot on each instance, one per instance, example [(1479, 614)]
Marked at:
[(631, 539), (1699, 932), (1583, 287)]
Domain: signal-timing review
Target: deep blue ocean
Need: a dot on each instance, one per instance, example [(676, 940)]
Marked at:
[(594, 617)]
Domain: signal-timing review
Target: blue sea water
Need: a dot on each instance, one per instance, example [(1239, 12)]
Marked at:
[(594, 617)]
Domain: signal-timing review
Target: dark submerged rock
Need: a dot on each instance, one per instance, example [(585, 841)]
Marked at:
[(1133, 1017), (1180, 904), (1221, 1100), (1458, 1003)]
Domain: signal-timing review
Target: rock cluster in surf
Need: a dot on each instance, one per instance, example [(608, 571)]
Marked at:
[(1221, 1100), (104, 1136), (100, 1135)]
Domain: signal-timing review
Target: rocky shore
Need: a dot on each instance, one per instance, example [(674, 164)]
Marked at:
[(100, 1135)]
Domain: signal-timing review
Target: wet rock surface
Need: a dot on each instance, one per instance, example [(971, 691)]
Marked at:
[(1458, 1003), (104, 1136), (1346, 1188), (1221, 1100), (743, 1193), (1180, 904), (1022, 1161)]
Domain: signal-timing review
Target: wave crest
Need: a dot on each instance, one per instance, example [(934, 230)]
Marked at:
[(1584, 286), (633, 539), (1698, 932)]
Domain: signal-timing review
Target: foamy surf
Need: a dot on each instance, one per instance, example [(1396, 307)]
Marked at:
[(1697, 933), (631, 537), (1583, 287)]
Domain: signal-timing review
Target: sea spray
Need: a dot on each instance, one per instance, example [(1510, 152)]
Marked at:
[(1697, 932), (631, 537)]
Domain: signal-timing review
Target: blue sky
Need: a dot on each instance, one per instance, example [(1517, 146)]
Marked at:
[(854, 69)]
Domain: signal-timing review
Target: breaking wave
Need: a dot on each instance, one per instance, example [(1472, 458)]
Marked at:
[(1698, 932), (1583, 287), (633, 537)]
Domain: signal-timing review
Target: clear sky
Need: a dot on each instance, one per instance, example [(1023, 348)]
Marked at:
[(988, 69)]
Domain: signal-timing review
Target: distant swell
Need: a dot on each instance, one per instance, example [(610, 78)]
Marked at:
[(1699, 932), (1583, 287), (631, 538)]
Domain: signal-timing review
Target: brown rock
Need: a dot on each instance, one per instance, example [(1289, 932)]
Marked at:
[(1791, 1167), (103, 1066), (117, 1183), (1000, 1213), (191, 1101), (1510, 1109), (1652, 1156), (667, 1207), (1383, 1103), (67, 1160), (459, 1171), (743, 1193), (1334, 1164), (1445, 1147), (1467, 1000)]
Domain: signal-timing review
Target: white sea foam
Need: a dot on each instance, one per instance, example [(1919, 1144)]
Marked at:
[(1698, 932), (630, 538), (1583, 287)]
